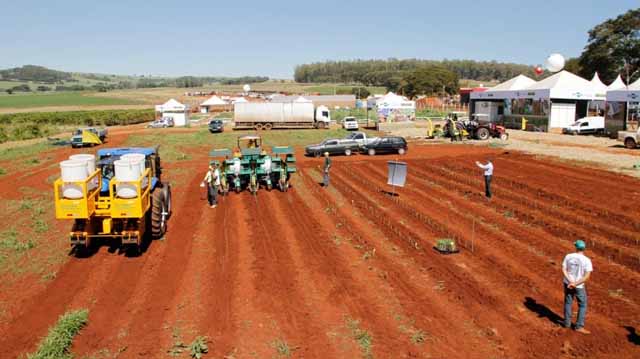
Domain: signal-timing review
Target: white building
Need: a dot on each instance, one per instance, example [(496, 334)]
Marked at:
[(214, 103), (175, 110)]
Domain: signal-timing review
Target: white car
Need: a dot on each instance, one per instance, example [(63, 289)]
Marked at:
[(586, 125), (350, 123)]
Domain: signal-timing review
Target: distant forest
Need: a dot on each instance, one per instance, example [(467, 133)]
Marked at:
[(65, 81), (382, 72)]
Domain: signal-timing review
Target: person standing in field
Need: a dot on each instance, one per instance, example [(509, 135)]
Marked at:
[(212, 182), (327, 166), (577, 269), (488, 174)]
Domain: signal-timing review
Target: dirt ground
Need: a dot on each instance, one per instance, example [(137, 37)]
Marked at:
[(349, 270)]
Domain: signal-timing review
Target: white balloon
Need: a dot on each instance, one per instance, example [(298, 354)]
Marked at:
[(246, 88), (555, 62)]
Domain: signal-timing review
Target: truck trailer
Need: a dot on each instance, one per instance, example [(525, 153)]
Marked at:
[(271, 115)]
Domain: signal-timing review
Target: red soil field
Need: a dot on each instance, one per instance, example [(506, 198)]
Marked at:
[(349, 271)]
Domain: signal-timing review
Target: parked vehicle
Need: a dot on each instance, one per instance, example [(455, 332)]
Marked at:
[(586, 125), (88, 136), (216, 125), (334, 146), (629, 138), (162, 123), (350, 123), (360, 137), (274, 115), (386, 145)]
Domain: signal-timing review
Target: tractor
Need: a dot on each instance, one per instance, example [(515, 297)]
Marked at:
[(101, 213)]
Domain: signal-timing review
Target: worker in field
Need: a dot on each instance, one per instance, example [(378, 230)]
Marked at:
[(212, 182), (488, 174), (327, 166), (577, 269)]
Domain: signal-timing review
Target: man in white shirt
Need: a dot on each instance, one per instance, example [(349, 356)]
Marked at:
[(212, 181), (577, 269), (488, 174)]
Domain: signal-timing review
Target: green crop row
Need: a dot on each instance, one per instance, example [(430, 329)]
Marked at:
[(24, 126)]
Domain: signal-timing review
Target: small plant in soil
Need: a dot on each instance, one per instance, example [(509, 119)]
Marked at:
[(362, 337), (418, 337), (282, 348), (58, 341), (198, 348), (508, 214)]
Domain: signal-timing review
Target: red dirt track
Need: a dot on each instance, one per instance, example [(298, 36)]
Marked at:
[(316, 267)]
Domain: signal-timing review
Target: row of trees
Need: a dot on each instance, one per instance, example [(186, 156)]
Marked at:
[(34, 73), (383, 72), (613, 48)]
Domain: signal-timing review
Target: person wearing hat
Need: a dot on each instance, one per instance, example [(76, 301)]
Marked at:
[(327, 166), (212, 181), (577, 269)]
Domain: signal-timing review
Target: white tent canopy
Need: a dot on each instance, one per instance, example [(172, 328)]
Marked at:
[(598, 83), (302, 100), (391, 99), (239, 100), (630, 94), (617, 84), (563, 85), (171, 106), (507, 89), (213, 101)]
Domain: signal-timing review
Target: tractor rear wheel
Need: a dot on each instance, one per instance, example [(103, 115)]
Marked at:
[(483, 134), (158, 220)]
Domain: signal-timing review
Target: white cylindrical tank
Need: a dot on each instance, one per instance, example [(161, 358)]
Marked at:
[(72, 171), (137, 157), (126, 170), (90, 161)]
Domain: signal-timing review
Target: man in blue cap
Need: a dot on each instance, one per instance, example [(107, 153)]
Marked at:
[(577, 269)]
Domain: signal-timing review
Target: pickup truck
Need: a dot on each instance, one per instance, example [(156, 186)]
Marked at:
[(629, 138), (361, 138), (335, 146)]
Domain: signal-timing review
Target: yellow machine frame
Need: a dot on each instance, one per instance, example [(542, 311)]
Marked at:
[(105, 216)]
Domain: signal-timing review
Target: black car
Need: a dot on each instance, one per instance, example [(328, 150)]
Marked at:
[(388, 144), (216, 126), (334, 147)]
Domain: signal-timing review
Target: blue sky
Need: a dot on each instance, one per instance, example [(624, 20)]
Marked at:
[(269, 38)]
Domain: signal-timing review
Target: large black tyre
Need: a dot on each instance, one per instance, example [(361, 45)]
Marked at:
[(158, 219), (483, 134), (166, 192), (630, 143)]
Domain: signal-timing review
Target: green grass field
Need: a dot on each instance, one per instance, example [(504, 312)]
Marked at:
[(59, 99)]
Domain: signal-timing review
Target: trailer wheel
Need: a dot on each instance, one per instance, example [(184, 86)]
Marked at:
[(158, 220), (630, 143), (258, 127), (268, 126)]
